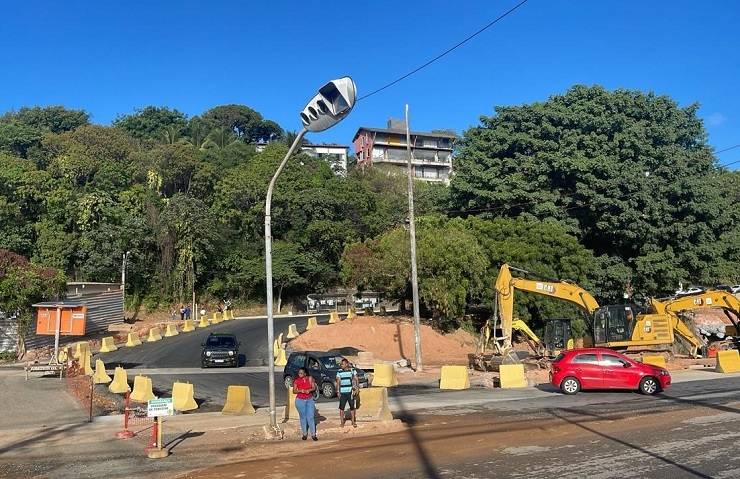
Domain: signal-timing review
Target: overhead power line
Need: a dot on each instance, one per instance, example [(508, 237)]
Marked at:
[(727, 149), (449, 50)]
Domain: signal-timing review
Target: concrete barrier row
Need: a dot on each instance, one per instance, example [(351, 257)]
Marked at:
[(108, 345)]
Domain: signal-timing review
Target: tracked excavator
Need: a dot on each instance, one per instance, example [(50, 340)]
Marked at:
[(619, 326), (715, 299), (557, 331)]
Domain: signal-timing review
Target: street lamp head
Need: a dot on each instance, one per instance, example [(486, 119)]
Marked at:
[(331, 104)]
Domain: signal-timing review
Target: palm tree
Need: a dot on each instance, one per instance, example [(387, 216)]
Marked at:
[(222, 137), (199, 136), (289, 137), (171, 134)]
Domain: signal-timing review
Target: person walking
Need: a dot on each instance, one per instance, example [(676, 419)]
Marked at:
[(303, 388), (182, 312), (187, 312), (348, 387)]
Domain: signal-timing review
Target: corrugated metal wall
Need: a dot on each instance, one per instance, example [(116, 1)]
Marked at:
[(8, 333)]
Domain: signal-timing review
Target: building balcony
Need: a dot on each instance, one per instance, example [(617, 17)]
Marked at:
[(415, 162), (413, 146)]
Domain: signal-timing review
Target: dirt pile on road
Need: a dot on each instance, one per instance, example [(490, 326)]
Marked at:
[(388, 339)]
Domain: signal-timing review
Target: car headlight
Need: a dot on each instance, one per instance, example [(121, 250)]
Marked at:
[(231, 353), (208, 353), (664, 373)]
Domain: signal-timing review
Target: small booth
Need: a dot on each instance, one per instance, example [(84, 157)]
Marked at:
[(71, 318), (58, 318)]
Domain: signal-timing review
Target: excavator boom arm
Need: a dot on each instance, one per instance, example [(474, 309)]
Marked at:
[(506, 285), (707, 299)]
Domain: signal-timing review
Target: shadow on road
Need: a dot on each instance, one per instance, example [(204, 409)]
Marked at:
[(699, 403), (548, 388), (124, 365), (57, 431), (622, 442), (170, 446), (409, 418)]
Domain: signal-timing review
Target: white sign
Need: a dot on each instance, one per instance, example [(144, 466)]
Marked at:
[(159, 407)]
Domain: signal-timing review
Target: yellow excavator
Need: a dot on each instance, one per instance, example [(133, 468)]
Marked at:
[(716, 299), (557, 331), (619, 326)]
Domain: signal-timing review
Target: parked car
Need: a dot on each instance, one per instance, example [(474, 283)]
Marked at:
[(689, 290), (736, 289), (220, 350), (322, 366), (602, 368), (724, 287)]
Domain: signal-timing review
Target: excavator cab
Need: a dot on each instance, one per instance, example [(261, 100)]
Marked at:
[(557, 336), (615, 323)]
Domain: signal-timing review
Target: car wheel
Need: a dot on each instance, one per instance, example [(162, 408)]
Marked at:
[(328, 390), (570, 385), (288, 381), (649, 385)]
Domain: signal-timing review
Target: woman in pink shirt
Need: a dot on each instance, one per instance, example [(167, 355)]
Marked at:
[(303, 388)]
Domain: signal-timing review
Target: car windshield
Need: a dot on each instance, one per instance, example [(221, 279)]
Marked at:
[(332, 362), (221, 342)]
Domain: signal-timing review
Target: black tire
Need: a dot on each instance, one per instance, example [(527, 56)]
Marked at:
[(328, 390), (649, 385), (203, 365), (288, 381), (570, 385)]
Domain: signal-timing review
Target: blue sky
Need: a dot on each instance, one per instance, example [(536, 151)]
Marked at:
[(112, 57)]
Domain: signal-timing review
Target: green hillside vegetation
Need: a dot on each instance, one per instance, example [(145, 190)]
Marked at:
[(618, 191)]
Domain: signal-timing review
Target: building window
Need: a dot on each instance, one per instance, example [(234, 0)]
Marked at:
[(429, 142), (425, 155), (397, 154), (431, 173)]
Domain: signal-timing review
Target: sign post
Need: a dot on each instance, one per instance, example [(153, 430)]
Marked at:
[(157, 408)]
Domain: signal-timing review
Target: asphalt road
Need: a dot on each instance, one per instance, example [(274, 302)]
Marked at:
[(690, 431), (183, 350), (178, 359)]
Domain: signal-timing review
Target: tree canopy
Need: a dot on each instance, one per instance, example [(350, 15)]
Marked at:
[(615, 190), (628, 173)]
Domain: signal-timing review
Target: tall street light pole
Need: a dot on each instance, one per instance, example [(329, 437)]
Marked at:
[(412, 234), (332, 104)]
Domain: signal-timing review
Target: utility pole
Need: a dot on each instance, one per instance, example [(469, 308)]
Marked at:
[(194, 307), (123, 280), (412, 234)]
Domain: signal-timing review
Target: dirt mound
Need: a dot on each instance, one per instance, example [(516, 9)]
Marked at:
[(388, 339), (710, 321)]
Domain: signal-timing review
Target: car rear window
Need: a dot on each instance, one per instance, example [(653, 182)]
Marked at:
[(297, 360), (221, 342), (586, 359), (559, 358)]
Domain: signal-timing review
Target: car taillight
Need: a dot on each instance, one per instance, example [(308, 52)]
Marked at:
[(555, 368)]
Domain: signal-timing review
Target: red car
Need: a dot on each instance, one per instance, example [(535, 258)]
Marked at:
[(601, 368)]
